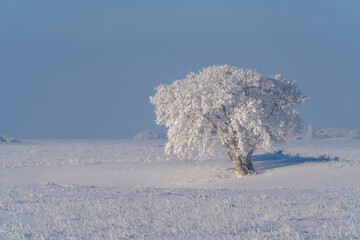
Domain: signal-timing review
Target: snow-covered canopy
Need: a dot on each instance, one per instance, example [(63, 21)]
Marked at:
[(240, 110)]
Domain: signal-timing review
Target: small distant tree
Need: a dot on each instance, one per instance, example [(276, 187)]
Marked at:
[(239, 110), (310, 132)]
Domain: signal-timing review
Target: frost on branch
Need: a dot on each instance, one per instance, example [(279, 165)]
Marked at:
[(239, 110)]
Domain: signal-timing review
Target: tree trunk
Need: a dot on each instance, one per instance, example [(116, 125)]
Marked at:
[(238, 162), (248, 162)]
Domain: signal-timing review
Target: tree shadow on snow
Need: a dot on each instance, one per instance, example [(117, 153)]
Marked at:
[(270, 161)]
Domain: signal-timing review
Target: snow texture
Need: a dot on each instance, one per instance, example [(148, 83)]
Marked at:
[(127, 189)]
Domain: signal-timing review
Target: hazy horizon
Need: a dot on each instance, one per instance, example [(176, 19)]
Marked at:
[(86, 69)]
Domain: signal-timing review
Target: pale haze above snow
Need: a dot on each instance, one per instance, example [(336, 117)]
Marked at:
[(86, 69)]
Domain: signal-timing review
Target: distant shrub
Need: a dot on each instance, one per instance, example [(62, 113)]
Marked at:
[(149, 135), (9, 139), (332, 133)]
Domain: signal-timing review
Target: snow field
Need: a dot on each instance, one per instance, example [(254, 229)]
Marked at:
[(52, 211), (126, 189)]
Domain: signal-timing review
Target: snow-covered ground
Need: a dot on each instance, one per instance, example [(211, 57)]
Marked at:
[(128, 189)]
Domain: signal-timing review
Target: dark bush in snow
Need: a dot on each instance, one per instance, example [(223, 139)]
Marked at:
[(9, 139)]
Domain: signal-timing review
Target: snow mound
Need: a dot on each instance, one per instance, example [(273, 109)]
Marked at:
[(9, 139), (149, 135)]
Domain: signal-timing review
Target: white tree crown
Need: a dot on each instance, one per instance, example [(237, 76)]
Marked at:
[(240, 110)]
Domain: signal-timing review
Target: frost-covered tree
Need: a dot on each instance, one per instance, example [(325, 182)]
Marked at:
[(310, 132), (236, 109)]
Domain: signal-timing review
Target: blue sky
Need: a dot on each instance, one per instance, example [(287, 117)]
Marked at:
[(86, 69)]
